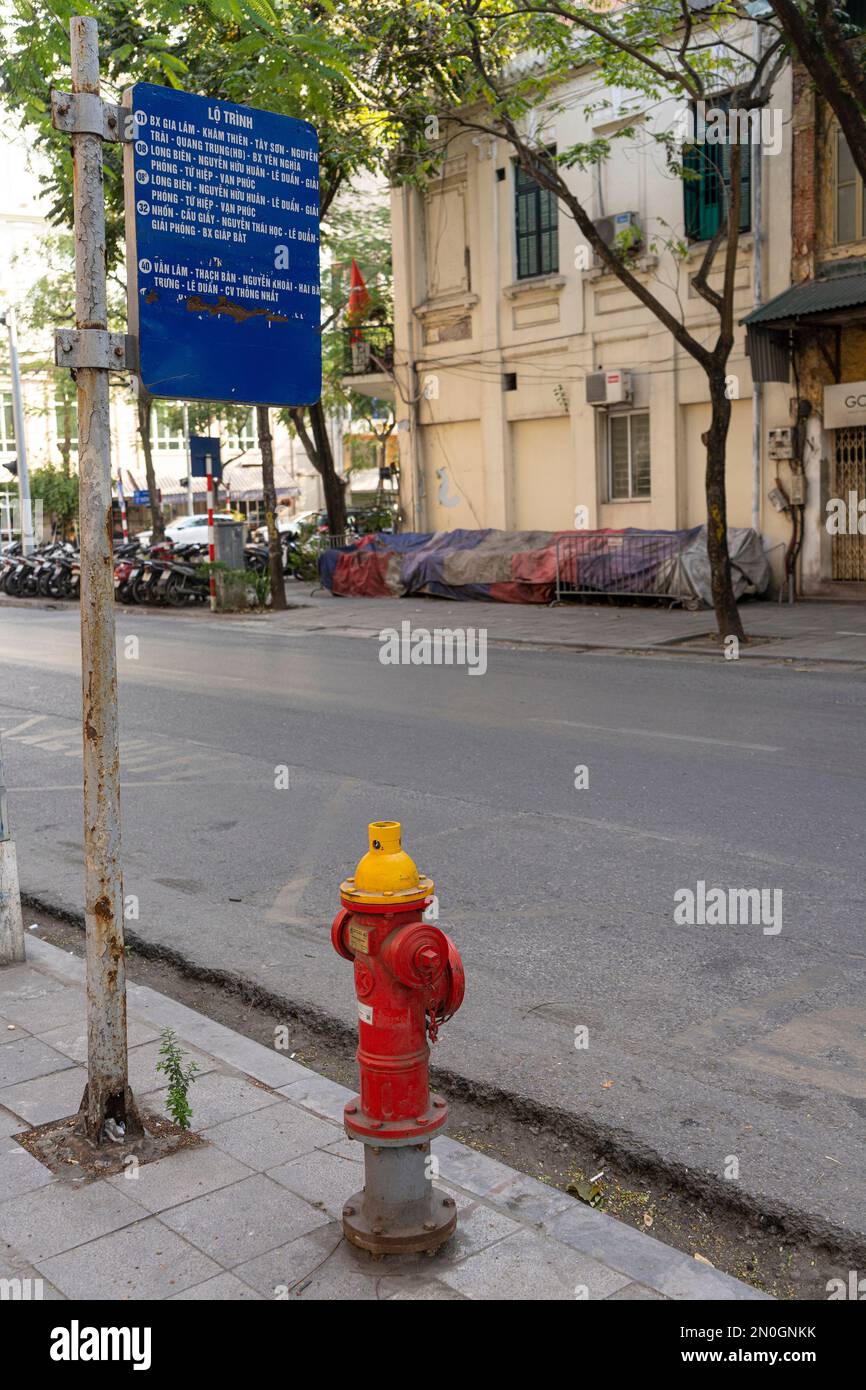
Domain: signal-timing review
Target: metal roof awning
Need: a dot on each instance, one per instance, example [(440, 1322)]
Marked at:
[(833, 297), (244, 482), (836, 297), (169, 485), (173, 491)]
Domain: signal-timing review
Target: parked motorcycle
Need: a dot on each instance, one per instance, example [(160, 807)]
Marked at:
[(50, 572), (184, 580), (126, 562), (143, 580)]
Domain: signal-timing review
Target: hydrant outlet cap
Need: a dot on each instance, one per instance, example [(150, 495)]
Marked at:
[(386, 874)]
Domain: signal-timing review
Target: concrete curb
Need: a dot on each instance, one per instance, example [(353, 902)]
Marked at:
[(638, 1258)]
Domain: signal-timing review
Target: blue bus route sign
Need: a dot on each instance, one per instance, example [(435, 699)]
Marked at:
[(222, 229)]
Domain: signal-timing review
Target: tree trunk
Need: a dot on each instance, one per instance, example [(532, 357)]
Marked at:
[(318, 448), (716, 441), (156, 519), (269, 491)]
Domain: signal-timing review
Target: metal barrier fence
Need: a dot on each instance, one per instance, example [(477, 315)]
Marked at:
[(627, 566), (322, 542)]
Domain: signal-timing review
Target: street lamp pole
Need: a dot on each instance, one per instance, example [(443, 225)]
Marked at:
[(190, 505)]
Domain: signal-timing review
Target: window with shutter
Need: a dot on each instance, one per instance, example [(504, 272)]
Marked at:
[(706, 191), (849, 196), (536, 222)]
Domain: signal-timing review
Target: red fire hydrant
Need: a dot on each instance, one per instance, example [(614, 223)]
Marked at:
[(409, 980)]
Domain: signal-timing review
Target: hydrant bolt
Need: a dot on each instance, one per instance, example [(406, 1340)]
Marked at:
[(408, 981)]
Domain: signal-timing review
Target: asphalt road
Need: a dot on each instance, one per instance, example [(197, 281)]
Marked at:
[(706, 1043)]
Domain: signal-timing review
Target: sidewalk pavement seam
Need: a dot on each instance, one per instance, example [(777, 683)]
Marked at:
[(611, 1255), (798, 634)]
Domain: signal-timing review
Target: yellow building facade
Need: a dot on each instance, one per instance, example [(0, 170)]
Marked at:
[(494, 338)]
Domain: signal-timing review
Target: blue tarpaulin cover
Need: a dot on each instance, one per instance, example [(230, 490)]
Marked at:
[(521, 566)]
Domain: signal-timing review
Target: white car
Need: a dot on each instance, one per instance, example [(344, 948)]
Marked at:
[(287, 525), (187, 530)]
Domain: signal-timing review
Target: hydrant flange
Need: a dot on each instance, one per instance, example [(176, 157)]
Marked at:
[(395, 1132)]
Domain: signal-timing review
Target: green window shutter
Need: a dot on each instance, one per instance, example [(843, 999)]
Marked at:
[(527, 232), (692, 193), (536, 226), (705, 197), (548, 218)]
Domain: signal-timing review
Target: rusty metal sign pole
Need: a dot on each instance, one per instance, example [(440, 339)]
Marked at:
[(108, 1100)]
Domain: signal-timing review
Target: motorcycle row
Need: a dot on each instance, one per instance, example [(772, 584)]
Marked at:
[(169, 574)]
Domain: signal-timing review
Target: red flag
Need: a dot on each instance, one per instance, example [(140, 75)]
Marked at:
[(359, 296)]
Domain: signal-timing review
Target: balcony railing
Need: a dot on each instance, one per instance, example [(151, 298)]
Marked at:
[(368, 349)]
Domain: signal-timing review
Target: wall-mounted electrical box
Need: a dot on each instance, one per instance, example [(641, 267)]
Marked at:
[(781, 443), (797, 489), (778, 500)]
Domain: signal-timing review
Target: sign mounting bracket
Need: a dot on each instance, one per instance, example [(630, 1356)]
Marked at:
[(85, 113), (94, 347)]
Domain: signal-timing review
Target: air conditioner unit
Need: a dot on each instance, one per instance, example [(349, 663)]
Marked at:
[(611, 228), (613, 387)]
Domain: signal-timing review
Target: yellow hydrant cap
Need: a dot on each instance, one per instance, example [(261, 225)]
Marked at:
[(386, 873)]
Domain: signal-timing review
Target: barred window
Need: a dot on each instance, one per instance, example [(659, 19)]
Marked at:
[(628, 449)]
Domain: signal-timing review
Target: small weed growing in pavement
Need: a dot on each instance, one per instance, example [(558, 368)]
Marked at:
[(179, 1078)]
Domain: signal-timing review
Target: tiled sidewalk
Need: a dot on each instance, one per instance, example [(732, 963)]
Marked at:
[(254, 1214), (814, 631)]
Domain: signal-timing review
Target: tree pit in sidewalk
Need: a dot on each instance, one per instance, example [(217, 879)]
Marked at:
[(71, 1156)]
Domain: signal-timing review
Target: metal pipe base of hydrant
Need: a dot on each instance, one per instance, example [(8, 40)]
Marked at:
[(399, 1210)]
